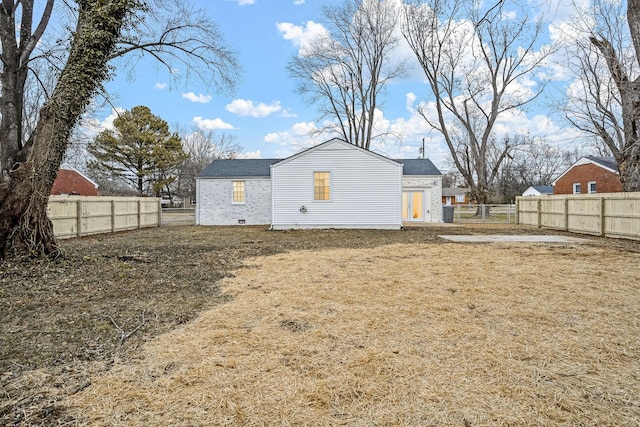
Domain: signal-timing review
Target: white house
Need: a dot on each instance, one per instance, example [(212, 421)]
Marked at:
[(538, 190), (332, 185)]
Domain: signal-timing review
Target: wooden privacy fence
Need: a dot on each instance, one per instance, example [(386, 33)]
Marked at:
[(606, 214), (75, 216)]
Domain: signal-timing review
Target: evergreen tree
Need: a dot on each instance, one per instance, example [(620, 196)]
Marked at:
[(140, 149)]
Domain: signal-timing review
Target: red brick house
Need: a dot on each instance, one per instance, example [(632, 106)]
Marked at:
[(590, 174), (70, 182), (455, 196)]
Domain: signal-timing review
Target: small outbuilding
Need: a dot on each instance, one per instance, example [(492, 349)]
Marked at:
[(332, 185)]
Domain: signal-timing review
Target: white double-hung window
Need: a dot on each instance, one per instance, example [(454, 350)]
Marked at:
[(321, 186), (238, 192)]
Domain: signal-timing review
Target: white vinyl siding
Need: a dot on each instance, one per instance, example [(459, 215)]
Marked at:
[(365, 190)]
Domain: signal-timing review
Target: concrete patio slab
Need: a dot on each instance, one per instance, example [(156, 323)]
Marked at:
[(494, 238)]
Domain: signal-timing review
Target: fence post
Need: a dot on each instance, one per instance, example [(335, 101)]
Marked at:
[(566, 213), (79, 217), (160, 212), (602, 213), (113, 215), (139, 213), (517, 212), (539, 208)]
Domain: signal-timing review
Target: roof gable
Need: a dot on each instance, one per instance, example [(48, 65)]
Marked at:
[(608, 163), (85, 177), (339, 144)]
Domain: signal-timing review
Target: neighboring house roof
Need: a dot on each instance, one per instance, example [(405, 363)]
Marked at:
[(536, 190), (608, 163), (451, 191), (236, 168), (71, 181), (543, 189)]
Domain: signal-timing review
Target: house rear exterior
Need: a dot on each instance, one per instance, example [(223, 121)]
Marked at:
[(331, 185), (590, 174)]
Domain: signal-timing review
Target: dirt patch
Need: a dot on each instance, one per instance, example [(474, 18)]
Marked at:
[(65, 324)]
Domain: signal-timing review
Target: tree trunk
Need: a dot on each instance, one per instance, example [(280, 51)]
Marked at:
[(629, 157), (24, 189)]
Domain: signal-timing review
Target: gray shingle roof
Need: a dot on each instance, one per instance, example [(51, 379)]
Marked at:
[(235, 168), (453, 191), (544, 189), (418, 167), (608, 162)]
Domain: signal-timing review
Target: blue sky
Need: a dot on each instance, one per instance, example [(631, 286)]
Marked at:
[(267, 116)]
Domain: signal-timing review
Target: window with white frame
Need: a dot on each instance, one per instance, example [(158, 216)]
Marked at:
[(460, 198), (577, 188), (591, 187), (238, 192), (321, 186)]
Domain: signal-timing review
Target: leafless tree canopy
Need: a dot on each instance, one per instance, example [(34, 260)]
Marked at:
[(202, 147), (345, 72), (81, 55), (475, 61), (603, 54)]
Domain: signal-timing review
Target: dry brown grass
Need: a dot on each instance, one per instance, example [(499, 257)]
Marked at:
[(404, 334)]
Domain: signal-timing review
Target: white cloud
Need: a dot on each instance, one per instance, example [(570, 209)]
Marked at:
[(300, 136), (202, 99), (251, 155), (211, 124), (245, 107), (287, 113), (301, 36), (243, 2), (296, 2), (107, 123), (160, 86)]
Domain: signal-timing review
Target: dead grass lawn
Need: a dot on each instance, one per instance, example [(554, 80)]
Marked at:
[(405, 334)]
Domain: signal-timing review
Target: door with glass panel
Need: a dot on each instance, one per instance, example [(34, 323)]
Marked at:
[(413, 206)]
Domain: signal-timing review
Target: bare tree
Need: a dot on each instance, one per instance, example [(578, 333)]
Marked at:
[(603, 99), (345, 72), (202, 147), (102, 31), (475, 61), (533, 163)]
